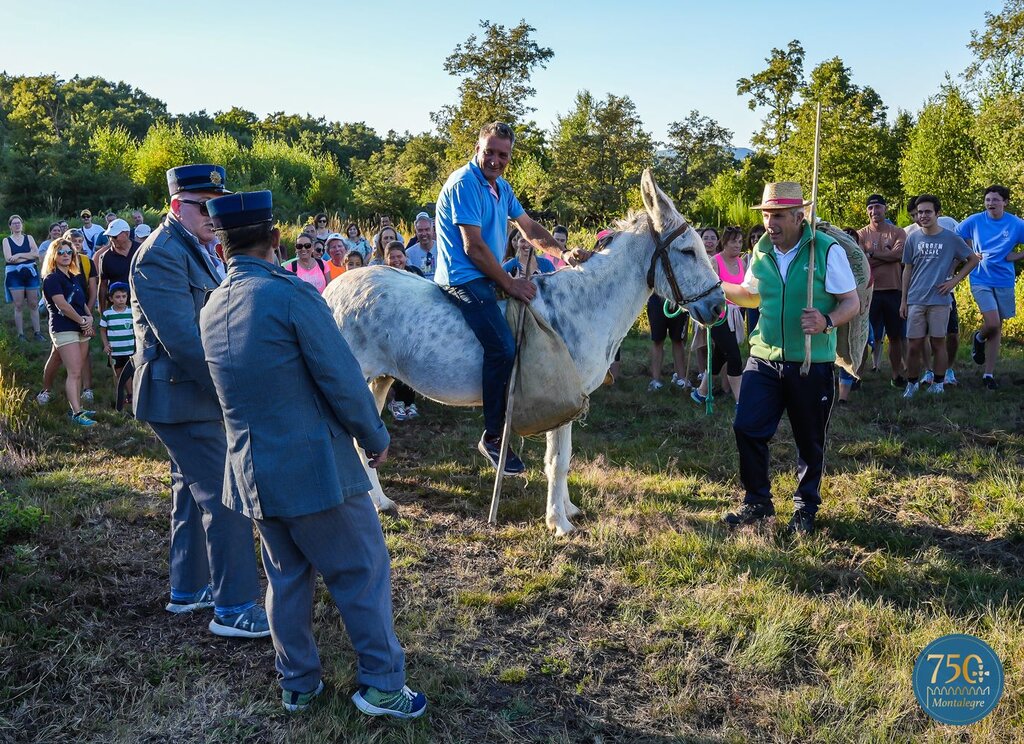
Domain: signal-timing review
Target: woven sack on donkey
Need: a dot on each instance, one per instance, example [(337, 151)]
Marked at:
[(852, 337), (548, 389)]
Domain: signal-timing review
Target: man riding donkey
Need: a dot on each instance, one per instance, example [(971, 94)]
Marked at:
[(473, 211), (802, 282)]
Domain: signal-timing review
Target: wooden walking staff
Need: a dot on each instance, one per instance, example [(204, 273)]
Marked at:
[(806, 366), (506, 430)]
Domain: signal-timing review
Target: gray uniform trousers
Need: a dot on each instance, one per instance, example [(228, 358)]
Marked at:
[(210, 543), (345, 545)]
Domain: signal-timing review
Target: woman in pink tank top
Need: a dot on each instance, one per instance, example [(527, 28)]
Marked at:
[(727, 336)]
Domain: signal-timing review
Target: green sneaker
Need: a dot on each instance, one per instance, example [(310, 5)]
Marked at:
[(295, 701), (402, 703)]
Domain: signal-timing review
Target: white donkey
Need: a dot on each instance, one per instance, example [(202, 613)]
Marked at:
[(382, 313)]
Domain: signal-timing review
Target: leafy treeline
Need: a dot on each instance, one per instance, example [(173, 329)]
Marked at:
[(89, 142)]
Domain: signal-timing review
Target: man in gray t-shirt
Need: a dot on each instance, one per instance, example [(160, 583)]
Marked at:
[(928, 259)]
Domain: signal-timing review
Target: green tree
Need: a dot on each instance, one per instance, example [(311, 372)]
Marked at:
[(378, 188), (351, 140), (942, 155), (776, 88), (998, 67), (421, 167), (1000, 136), (495, 71), (699, 148), (239, 123), (599, 149), (859, 150)]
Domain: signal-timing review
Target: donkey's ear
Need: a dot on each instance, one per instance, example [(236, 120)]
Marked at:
[(660, 208)]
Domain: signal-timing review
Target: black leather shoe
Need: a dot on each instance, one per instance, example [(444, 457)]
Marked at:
[(749, 514), (802, 523)]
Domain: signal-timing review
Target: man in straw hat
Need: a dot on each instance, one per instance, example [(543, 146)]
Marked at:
[(776, 282)]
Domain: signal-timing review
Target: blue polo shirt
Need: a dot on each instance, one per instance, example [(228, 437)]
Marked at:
[(993, 239), (466, 199)]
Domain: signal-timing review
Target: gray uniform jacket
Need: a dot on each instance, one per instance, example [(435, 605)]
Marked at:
[(170, 279), (293, 395)]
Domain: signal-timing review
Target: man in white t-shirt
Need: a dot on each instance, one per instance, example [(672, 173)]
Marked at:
[(91, 232)]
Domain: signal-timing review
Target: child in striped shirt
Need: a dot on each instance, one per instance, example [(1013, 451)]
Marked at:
[(118, 334)]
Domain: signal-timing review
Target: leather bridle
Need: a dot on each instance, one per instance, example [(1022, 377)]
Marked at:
[(661, 245)]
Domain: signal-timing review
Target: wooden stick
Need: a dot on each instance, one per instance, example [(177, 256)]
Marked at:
[(806, 366), (506, 430)]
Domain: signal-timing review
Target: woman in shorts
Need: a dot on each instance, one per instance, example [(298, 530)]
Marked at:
[(21, 278), (70, 323)]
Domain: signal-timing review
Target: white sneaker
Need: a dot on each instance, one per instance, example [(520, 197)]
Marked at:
[(911, 389), (411, 411), (928, 378), (654, 385), (87, 395), (43, 398), (950, 378), (936, 389), (680, 381), (397, 409)]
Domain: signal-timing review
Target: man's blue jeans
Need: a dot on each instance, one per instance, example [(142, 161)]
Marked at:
[(479, 306)]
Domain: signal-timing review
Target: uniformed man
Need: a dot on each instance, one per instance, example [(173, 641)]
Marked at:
[(213, 561), (294, 399)]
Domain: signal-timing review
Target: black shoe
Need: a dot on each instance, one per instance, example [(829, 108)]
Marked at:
[(899, 383), (977, 349), (490, 448), (990, 383), (749, 514), (802, 523), (855, 385)]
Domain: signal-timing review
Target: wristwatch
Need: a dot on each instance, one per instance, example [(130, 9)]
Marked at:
[(828, 325)]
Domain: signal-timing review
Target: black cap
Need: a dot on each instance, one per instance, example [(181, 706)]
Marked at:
[(243, 208), (201, 177), (876, 199)]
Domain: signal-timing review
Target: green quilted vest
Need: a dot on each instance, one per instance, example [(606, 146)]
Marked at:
[(778, 336)]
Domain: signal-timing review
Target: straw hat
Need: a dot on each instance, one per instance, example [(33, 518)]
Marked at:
[(782, 195)]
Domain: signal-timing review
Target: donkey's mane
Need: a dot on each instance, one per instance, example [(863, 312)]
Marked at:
[(635, 222)]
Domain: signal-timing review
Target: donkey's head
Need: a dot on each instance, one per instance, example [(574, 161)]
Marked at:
[(691, 280)]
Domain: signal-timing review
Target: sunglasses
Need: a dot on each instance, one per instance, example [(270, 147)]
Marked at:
[(203, 209), (303, 246), (321, 222), (65, 251)]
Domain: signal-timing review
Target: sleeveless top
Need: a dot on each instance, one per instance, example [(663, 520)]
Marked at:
[(723, 271), (24, 247)]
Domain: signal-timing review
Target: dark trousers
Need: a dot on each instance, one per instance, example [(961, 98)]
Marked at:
[(345, 545), (769, 389), (210, 543), (479, 306)]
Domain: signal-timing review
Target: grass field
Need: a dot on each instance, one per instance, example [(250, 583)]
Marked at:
[(651, 624)]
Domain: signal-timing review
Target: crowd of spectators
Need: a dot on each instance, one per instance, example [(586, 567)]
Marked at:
[(913, 271)]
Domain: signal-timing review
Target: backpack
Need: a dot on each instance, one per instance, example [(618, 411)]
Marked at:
[(294, 266)]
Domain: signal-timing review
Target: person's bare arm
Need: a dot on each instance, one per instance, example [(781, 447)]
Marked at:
[(539, 237), (480, 254), (907, 268), (740, 295), (895, 253), (968, 266)]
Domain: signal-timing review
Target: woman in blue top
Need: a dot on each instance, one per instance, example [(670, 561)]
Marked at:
[(21, 278), (517, 252), (70, 322)]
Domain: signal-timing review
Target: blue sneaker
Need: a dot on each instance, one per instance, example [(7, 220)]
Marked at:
[(201, 600), (82, 419), (402, 703), (491, 449), (697, 398), (252, 623)]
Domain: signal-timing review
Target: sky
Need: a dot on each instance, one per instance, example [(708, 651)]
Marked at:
[(383, 62)]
